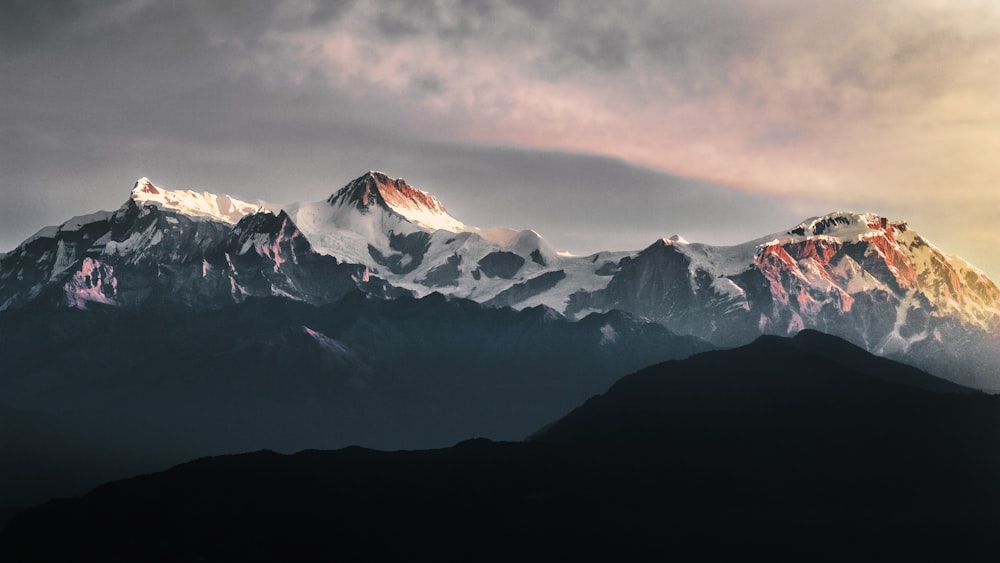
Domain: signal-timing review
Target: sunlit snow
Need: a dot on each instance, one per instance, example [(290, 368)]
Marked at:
[(193, 204)]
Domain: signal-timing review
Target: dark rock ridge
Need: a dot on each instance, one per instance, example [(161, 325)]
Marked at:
[(518, 293), (788, 450), (116, 387), (885, 289), (445, 274), (500, 264), (863, 277), (409, 252), (147, 255)]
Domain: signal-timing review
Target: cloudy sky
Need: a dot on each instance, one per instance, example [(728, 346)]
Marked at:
[(601, 125)]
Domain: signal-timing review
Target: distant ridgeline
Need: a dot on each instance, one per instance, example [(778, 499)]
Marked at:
[(872, 281), (186, 324), (835, 455)]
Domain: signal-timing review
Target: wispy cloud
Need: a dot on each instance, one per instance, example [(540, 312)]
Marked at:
[(774, 96), (888, 106), (889, 103)]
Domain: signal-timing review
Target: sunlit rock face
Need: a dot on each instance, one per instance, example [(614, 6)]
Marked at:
[(876, 282), (859, 276), (167, 252), (406, 236)]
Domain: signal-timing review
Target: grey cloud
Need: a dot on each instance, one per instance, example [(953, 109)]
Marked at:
[(697, 41), (395, 25), (327, 11), (537, 10), (161, 100), (194, 96), (257, 18), (28, 23), (587, 203), (456, 22), (427, 84), (699, 46), (604, 49)]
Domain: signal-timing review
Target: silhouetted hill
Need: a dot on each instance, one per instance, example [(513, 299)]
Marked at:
[(108, 392), (809, 442), (784, 449)]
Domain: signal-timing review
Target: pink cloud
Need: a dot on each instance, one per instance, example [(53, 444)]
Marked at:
[(884, 103)]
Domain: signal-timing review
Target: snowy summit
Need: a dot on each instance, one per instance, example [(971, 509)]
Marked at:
[(193, 204), (417, 206)]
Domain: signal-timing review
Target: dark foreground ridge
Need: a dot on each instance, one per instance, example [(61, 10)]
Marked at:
[(91, 396), (784, 449)]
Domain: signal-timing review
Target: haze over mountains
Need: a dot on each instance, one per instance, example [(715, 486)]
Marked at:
[(835, 455), (728, 322), (186, 324), (866, 278)]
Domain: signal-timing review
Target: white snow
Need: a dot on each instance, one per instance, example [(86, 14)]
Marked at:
[(844, 226), (728, 288), (430, 219), (580, 276), (73, 224), (895, 341), (344, 229), (951, 295), (498, 235), (720, 260), (194, 204), (379, 207), (417, 206), (855, 279), (137, 240)]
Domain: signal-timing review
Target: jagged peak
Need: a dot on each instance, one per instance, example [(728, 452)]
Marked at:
[(377, 189), (665, 243), (842, 223), (199, 205), (143, 185)]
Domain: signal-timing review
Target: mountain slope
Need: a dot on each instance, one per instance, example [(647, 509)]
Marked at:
[(135, 387), (164, 247), (193, 204), (875, 282), (406, 236), (864, 278), (717, 457), (808, 276)]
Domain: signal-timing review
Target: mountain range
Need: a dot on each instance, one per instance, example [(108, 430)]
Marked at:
[(185, 324), (870, 280), (838, 455)]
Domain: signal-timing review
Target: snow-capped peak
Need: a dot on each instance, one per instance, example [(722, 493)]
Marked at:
[(194, 204), (143, 185), (378, 189), (840, 224)]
